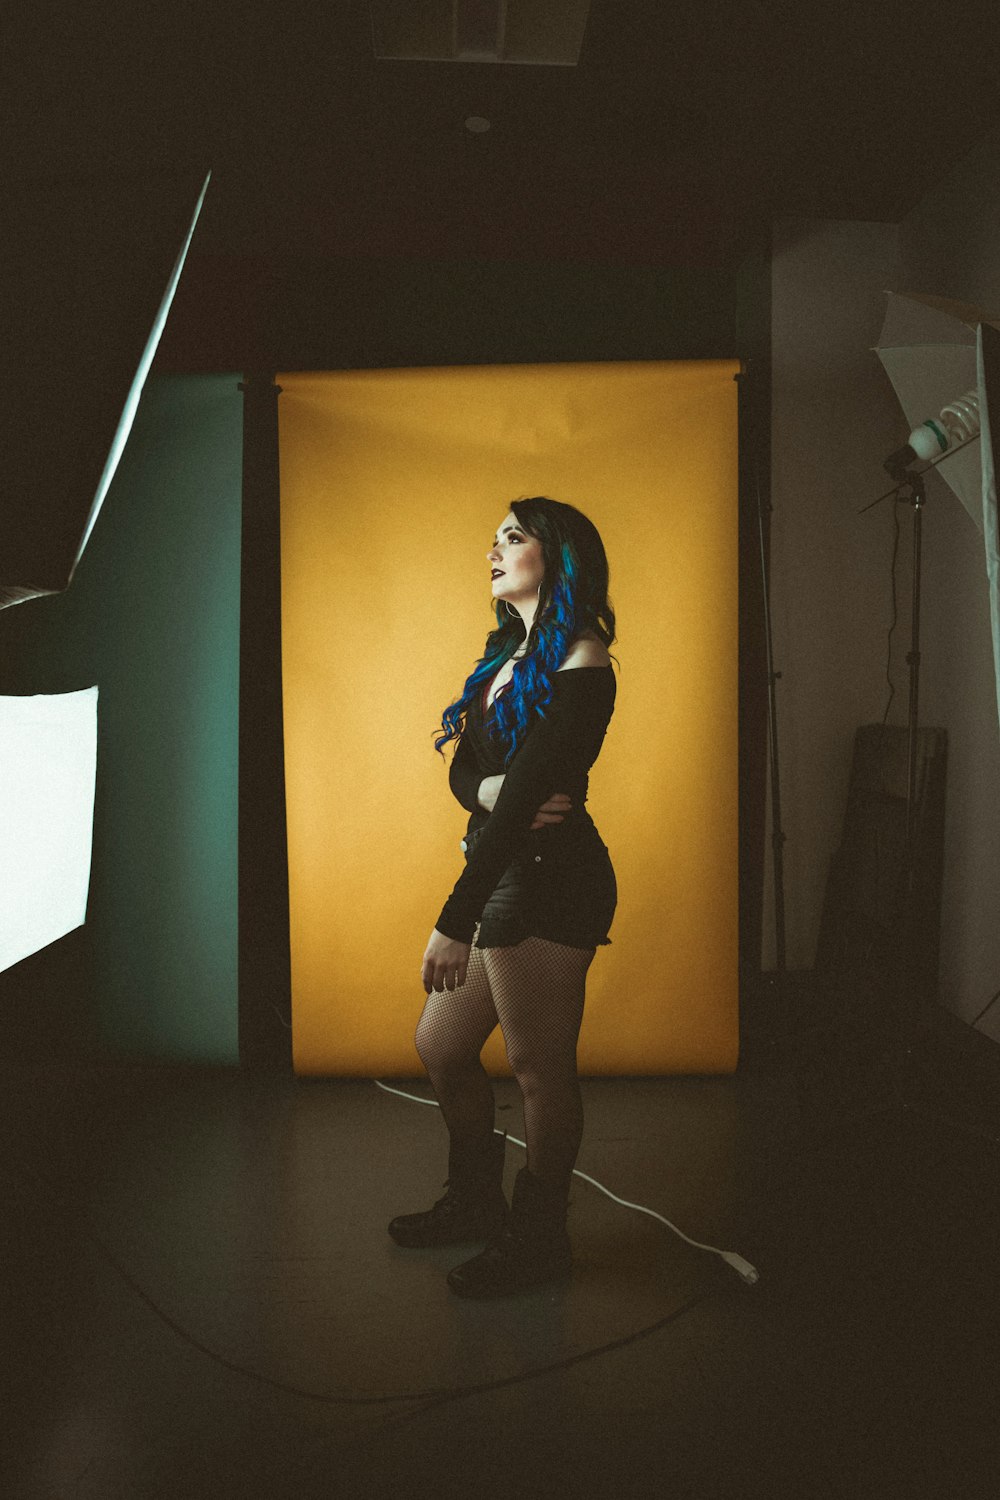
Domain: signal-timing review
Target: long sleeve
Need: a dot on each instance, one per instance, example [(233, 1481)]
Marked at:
[(555, 755), (464, 775)]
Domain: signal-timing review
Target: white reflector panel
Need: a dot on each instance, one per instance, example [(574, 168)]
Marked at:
[(48, 773)]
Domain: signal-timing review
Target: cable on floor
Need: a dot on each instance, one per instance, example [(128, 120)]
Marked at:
[(742, 1267), (400, 1419), (435, 1396)]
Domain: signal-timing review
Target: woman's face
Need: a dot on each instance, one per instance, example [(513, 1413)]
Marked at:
[(519, 557)]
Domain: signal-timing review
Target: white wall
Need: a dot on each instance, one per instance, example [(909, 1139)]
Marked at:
[(835, 418)]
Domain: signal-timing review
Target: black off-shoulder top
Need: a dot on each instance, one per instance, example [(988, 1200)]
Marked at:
[(555, 754)]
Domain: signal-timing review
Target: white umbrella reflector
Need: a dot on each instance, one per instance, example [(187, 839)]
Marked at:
[(935, 350), (988, 369), (928, 350)]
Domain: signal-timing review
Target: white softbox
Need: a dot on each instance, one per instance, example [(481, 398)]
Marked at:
[(48, 751)]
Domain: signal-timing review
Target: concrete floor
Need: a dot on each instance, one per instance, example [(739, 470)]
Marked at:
[(201, 1299)]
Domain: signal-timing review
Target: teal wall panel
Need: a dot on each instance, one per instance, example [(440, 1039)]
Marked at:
[(152, 617)]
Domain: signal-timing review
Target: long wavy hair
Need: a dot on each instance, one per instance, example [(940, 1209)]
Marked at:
[(573, 598)]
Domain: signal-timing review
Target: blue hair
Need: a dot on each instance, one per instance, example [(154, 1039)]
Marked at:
[(573, 598)]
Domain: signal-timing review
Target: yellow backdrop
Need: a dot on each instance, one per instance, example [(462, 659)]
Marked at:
[(393, 483)]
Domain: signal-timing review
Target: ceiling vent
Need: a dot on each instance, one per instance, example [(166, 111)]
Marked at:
[(480, 31)]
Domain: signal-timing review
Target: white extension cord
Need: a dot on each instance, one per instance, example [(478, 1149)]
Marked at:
[(742, 1267)]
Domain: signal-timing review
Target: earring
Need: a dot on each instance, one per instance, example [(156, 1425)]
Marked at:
[(511, 609)]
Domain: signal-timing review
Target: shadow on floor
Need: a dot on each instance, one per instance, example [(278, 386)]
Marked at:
[(201, 1298)]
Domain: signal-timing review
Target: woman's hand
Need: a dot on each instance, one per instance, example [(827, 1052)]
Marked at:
[(552, 811), (445, 962)]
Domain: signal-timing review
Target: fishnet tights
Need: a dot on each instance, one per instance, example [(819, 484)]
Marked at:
[(535, 990)]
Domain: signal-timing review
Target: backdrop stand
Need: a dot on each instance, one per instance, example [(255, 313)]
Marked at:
[(265, 1022)]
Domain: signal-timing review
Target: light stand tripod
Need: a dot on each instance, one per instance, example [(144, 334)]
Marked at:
[(917, 956), (879, 950), (904, 990)]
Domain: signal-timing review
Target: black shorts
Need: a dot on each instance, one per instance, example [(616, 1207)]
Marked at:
[(561, 887)]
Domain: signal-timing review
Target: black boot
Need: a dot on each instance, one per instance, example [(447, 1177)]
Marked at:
[(532, 1248), (474, 1207)]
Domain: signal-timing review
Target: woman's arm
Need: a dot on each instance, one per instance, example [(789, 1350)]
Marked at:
[(464, 776), (551, 811), (474, 791), (563, 744)]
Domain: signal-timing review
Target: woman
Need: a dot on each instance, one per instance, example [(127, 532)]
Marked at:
[(519, 931)]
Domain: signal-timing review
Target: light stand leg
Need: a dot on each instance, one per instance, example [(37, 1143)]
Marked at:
[(777, 833), (910, 979), (913, 662)]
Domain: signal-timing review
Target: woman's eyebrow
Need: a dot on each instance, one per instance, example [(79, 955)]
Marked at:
[(509, 530)]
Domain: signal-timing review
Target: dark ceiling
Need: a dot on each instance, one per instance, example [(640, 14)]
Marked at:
[(680, 125), (616, 209)]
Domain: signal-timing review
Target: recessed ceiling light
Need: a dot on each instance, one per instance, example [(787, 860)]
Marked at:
[(477, 124), (474, 32)]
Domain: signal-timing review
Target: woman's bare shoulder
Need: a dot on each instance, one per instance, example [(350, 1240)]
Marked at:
[(587, 651)]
